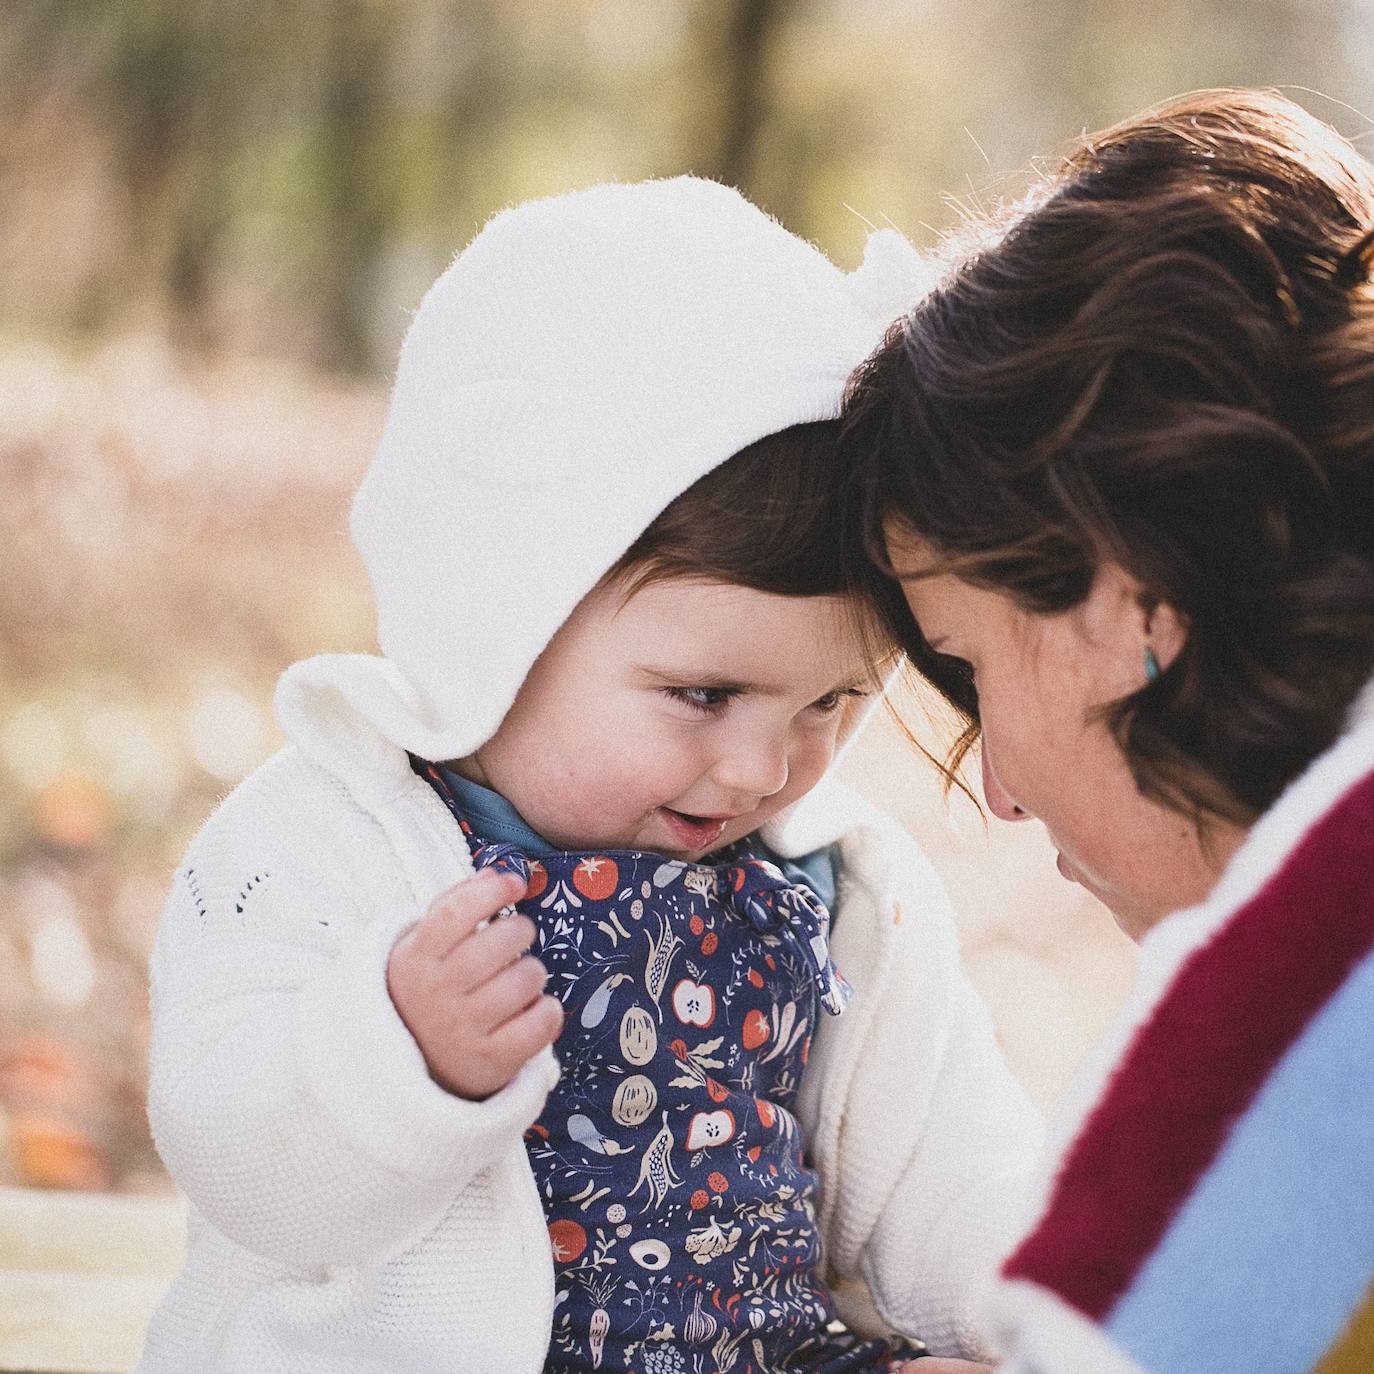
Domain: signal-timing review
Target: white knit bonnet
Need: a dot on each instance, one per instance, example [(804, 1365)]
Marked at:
[(581, 363)]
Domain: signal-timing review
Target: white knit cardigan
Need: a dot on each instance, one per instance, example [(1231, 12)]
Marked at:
[(347, 1215)]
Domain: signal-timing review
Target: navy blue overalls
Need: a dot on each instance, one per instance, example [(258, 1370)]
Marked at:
[(671, 1167)]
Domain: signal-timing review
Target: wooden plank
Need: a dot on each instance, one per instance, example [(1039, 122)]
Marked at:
[(91, 1233), (73, 1323), (80, 1275)]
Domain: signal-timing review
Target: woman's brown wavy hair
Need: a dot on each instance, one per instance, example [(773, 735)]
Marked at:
[(1167, 361)]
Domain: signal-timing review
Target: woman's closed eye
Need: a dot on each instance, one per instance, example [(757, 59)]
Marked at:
[(944, 665), (961, 667), (957, 678)]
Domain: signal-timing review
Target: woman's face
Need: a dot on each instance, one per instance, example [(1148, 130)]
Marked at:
[(1046, 752)]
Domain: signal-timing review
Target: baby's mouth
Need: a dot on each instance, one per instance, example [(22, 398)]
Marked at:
[(694, 832)]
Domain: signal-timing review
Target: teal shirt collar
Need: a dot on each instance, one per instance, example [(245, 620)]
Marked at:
[(494, 818)]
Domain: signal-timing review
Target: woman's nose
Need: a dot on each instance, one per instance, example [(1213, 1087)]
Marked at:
[(997, 797)]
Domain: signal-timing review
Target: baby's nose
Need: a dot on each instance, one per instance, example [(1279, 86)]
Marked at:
[(759, 769)]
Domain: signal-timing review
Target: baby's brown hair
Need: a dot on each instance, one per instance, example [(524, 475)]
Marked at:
[(771, 517)]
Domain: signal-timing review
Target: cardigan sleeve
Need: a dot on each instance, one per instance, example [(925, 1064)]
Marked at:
[(937, 1147), (286, 1097), (961, 1200)]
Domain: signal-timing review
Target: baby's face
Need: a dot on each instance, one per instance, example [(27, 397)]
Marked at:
[(679, 720)]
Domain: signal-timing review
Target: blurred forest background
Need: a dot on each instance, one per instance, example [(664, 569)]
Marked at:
[(214, 219)]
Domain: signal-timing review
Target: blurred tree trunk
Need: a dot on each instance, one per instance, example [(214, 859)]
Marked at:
[(749, 37), (735, 53), (167, 85), (355, 218), (165, 79)]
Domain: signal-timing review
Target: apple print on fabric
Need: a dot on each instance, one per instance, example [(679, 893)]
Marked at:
[(694, 1003), (668, 1161), (538, 881), (710, 1128), (754, 1031)]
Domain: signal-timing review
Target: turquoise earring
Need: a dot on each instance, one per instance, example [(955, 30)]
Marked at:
[(1151, 664)]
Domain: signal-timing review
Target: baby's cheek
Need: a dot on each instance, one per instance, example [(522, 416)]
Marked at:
[(596, 806), (809, 763)]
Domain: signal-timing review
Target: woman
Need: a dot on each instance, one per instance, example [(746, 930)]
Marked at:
[(1117, 477)]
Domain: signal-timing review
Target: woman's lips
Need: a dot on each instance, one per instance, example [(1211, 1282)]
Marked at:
[(694, 832)]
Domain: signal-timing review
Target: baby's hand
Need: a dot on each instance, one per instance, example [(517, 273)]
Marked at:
[(473, 999)]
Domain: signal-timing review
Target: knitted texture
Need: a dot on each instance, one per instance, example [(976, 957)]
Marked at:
[(1213, 1208), (583, 361), (347, 1214)]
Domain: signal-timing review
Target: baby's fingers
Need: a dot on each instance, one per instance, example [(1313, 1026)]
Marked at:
[(513, 989), (525, 1034), (455, 914), (489, 951)]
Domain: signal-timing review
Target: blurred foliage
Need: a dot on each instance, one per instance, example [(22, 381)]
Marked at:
[(288, 176), (214, 219), (173, 537)]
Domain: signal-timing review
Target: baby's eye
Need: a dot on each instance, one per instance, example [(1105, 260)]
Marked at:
[(832, 701), (702, 698)]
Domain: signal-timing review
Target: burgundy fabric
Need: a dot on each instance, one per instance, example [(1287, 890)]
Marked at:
[(1233, 1009)]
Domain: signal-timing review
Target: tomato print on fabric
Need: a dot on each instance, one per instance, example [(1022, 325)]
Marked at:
[(669, 1161)]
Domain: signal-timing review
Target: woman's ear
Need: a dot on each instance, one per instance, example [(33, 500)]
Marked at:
[(1166, 632), (1138, 633)]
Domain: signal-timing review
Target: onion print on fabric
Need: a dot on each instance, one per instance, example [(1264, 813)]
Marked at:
[(668, 1159)]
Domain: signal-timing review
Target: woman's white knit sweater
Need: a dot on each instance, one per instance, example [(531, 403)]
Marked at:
[(348, 1215)]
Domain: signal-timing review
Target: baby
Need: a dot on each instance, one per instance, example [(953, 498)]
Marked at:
[(620, 654)]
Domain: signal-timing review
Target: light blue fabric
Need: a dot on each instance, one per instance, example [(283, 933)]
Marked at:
[(494, 818), (499, 821), (1290, 1192)]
